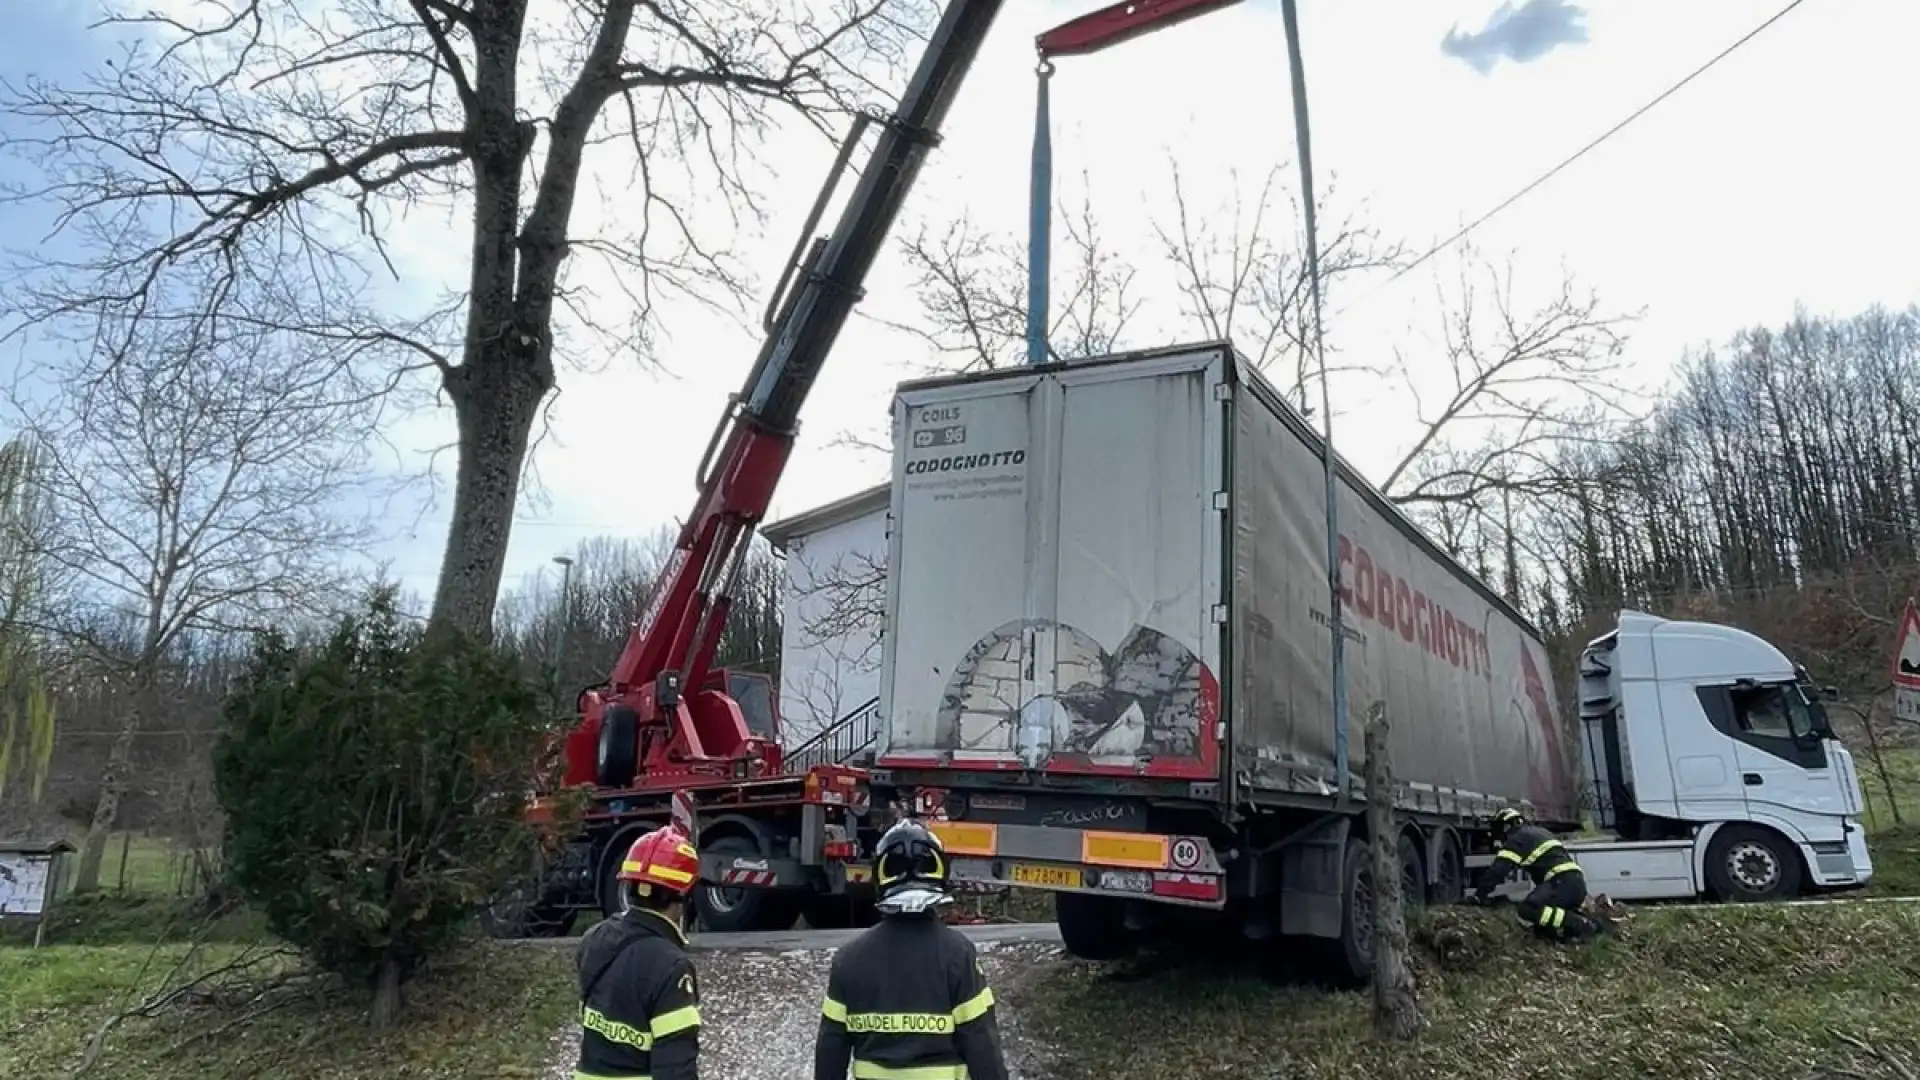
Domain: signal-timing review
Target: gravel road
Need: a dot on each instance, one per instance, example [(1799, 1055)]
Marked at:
[(760, 1010)]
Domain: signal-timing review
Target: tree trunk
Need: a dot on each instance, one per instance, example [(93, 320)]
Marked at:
[(1396, 1005), (113, 784), (386, 995), (496, 395)]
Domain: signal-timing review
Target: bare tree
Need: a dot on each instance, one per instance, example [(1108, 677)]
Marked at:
[(257, 128), (27, 711), (1239, 284), (972, 289), (196, 484), (1517, 382)]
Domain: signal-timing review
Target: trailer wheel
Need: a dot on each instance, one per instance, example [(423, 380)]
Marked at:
[(1450, 877), (1413, 873), (617, 754), (1356, 913), (1092, 927), (1746, 864), (725, 910)]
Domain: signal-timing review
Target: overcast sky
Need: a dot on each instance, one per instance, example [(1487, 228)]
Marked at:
[(1778, 178)]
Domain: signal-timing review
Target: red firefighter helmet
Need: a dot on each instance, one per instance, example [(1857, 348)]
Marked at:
[(664, 858)]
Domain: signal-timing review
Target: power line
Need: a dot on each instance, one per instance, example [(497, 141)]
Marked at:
[(1573, 157)]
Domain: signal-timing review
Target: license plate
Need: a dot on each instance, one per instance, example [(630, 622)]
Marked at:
[(1048, 877)]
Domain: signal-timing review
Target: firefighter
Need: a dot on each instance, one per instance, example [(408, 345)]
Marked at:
[(1552, 909), (908, 998), (639, 1002)]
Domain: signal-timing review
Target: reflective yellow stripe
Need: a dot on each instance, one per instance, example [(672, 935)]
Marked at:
[(834, 1011), (974, 1007), (867, 1070), (901, 1023), (1552, 916), (613, 1030), (1509, 855), (675, 1021), (666, 872), (1563, 868), (1545, 846)]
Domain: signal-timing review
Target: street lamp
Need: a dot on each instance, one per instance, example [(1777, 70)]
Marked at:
[(559, 628)]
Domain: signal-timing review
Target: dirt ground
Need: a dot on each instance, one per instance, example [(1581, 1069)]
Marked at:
[(760, 1010)]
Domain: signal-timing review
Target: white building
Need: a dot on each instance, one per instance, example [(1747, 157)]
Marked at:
[(833, 591)]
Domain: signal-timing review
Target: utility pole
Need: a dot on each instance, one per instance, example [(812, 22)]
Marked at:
[(559, 628)]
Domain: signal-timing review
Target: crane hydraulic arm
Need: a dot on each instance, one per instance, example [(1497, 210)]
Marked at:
[(664, 709)]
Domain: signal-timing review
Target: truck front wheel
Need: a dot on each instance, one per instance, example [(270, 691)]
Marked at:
[(1092, 927), (1747, 864)]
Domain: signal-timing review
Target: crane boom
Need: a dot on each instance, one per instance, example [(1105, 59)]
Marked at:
[(663, 704)]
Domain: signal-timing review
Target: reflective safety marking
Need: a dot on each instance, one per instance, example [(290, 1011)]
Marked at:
[(1563, 868), (974, 1007), (669, 873), (1552, 916), (901, 1023), (1510, 855), (1545, 847), (614, 1031), (965, 837), (675, 1021), (868, 1070), (834, 1011), (1124, 849)]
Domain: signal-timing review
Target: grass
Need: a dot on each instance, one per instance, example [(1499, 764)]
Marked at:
[(1749, 991), (490, 1011)]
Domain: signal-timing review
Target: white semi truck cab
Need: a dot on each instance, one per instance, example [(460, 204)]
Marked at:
[(1712, 768)]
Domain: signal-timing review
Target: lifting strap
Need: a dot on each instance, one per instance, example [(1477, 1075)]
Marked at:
[(1039, 218)]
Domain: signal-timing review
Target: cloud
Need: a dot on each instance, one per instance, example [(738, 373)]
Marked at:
[(1519, 34)]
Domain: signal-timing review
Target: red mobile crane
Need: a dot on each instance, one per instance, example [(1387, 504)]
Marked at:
[(774, 842)]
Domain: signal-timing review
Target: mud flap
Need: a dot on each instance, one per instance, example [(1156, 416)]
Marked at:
[(1312, 871)]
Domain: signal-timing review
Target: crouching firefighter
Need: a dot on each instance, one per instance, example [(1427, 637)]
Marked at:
[(639, 1004), (907, 1000), (1552, 909)]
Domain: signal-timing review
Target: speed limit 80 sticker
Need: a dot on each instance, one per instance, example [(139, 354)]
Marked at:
[(1186, 853)]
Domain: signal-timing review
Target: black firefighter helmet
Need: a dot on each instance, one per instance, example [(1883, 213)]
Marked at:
[(910, 856)]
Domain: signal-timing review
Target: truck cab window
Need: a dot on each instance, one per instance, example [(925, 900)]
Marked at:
[(1763, 711)]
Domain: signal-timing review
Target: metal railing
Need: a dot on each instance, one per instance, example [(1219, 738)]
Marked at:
[(840, 741)]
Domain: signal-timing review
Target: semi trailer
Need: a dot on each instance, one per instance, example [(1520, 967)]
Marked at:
[(1107, 673)]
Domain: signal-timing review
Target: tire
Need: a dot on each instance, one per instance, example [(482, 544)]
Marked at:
[(1413, 874), (1450, 877), (514, 914), (1092, 927), (616, 755), (725, 910), (1749, 865), (1353, 950)]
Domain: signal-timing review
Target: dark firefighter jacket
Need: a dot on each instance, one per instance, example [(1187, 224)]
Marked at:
[(907, 1000), (1530, 848), (639, 1005)]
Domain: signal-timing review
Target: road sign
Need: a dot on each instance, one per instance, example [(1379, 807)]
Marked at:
[(1906, 660), (1906, 667)]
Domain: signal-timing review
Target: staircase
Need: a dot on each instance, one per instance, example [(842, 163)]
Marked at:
[(847, 741)]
